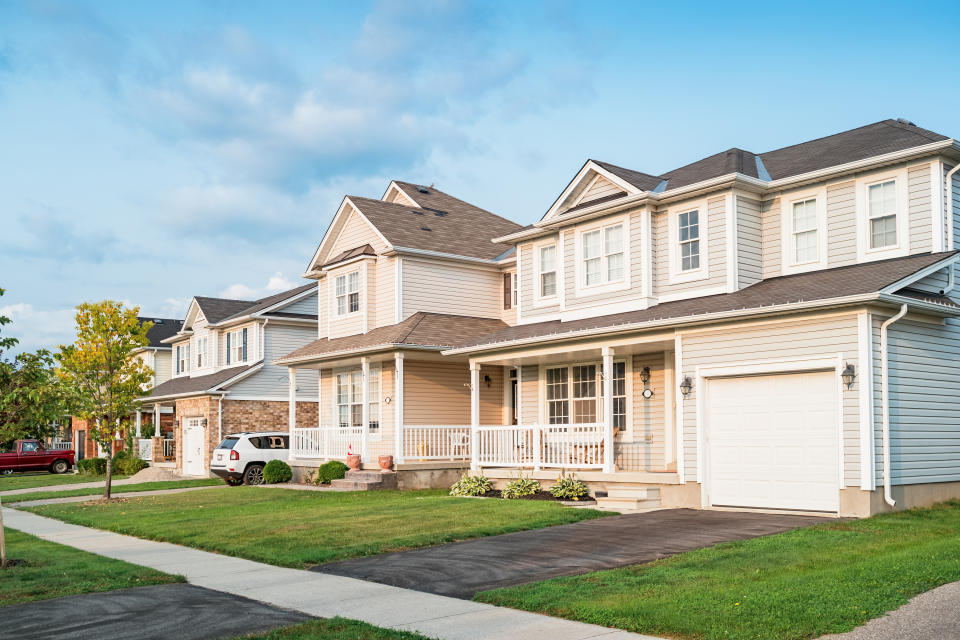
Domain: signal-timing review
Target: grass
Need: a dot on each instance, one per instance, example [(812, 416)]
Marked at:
[(42, 570), (828, 578), (125, 488), (29, 480), (334, 629), (304, 528)]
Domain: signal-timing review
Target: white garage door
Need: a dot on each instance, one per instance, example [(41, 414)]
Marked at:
[(774, 441)]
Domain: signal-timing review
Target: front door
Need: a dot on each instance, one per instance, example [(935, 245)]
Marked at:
[(81, 451), (193, 447)]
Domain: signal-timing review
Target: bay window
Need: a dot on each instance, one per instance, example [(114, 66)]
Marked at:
[(348, 293)]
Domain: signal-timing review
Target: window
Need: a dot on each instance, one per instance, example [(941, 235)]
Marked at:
[(548, 271), (507, 291), (237, 346), (557, 394), (688, 234), (591, 258), (613, 252), (373, 399), (202, 359), (348, 293), (882, 213), (585, 393), (183, 358), (805, 231), (620, 396), (349, 399), (515, 292)]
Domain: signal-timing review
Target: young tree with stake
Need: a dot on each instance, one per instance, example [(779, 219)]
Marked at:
[(104, 374)]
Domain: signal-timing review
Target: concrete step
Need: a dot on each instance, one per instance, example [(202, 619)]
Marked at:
[(633, 492), (627, 503), (366, 481)]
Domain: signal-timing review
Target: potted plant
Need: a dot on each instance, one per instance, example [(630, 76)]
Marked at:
[(386, 463), (353, 459)]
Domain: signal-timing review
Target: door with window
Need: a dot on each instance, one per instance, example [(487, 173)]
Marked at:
[(193, 432)]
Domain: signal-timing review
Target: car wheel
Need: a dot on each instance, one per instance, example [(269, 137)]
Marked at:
[(253, 474), (60, 466), (233, 482), (6, 472)]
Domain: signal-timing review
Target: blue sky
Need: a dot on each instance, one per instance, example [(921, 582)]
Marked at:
[(150, 152)]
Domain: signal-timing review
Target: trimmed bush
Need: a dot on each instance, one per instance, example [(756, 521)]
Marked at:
[(568, 488), (520, 487), (470, 486), (127, 465), (333, 470), (92, 466), (277, 471)]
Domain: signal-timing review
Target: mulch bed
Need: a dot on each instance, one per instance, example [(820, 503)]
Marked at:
[(540, 495)]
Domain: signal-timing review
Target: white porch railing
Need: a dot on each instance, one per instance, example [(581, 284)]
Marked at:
[(60, 445), (326, 442), (569, 446), (444, 442), (145, 449)]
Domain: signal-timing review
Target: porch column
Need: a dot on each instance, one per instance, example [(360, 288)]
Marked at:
[(608, 410), (365, 409), (292, 407), (474, 415), (138, 422), (398, 407), (156, 420)]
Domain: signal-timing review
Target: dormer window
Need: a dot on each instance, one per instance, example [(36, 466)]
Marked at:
[(348, 293), (882, 212)]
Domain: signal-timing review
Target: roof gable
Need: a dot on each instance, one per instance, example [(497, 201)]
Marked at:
[(599, 182)]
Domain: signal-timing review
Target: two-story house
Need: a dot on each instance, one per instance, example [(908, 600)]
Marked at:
[(771, 330), (221, 377)]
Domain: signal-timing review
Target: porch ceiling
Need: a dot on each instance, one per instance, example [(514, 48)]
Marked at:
[(584, 350)]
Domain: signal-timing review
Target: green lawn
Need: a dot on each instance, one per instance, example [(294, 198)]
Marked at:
[(28, 480), (124, 488), (41, 570), (334, 629), (828, 578), (304, 528)]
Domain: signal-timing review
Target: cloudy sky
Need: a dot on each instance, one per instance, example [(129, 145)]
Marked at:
[(150, 152)]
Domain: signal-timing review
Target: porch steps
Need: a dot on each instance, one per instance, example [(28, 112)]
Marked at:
[(626, 496), (366, 481)]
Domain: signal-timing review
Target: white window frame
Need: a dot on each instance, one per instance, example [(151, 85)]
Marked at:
[(184, 359), (627, 434), (514, 291), (582, 289), (374, 396), (236, 344), (347, 293), (902, 246), (787, 242), (202, 344), (676, 275), (538, 299)]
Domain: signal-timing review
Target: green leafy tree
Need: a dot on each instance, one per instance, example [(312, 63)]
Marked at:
[(104, 374), (8, 342), (32, 397)]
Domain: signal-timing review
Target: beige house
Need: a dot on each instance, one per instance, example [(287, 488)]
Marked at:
[(775, 331), (221, 374)]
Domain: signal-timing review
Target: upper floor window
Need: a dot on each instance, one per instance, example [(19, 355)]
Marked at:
[(510, 290), (805, 231), (348, 293), (548, 271), (516, 291), (183, 358), (602, 255), (882, 213), (688, 233), (202, 353), (237, 346)]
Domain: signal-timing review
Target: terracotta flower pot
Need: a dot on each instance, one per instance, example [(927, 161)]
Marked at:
[(353, 461), (386, 463)]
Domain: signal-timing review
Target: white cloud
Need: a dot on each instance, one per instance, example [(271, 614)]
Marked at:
[(239, 291), (38, 329)]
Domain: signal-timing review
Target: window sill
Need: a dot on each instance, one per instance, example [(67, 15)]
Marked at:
[(682, 277), (597, 289)]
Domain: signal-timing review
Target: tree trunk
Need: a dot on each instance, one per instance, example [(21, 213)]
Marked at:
[(106, 486)]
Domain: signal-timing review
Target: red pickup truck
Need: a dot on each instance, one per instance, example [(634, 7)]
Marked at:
[(29, 455)]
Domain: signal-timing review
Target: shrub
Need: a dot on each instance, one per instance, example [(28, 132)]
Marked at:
[(277, 471), (333, 470), (568, 488), (127, 465), (470, 486), (520, 487), (92, 466)]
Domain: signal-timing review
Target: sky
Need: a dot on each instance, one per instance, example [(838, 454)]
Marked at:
[(150, 152)]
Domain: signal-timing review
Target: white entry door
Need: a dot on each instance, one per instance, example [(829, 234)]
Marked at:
[(193, 447), (774, 441)]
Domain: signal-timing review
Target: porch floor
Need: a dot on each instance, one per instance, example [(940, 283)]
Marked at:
[(463, 569)]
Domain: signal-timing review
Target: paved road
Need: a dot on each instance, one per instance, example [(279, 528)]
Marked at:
[(462, 569), (180, 611), (934, 615)]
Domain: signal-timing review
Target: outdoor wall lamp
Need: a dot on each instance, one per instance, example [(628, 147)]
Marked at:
[(849, 374), (487, 380), (686, 386), (645, 375)]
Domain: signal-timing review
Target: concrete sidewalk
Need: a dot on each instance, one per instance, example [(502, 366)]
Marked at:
[(318, 594)]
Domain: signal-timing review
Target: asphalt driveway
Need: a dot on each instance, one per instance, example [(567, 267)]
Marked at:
[(462, 569), (181, 611)]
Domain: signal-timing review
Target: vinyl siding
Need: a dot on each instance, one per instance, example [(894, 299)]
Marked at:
[(427, 286), (350, 324), (924, 387), (809, 337), (771, 238), (715, 235), (323, 312), (749, 241), (438, 393), (356, 232), (253, 343), (643, 447), (600, 189), (272, 380), (934, 283), (530, 395), (386, 292), (920, 201), (306, 305), (841, 224), (528, 280), (163, 366)]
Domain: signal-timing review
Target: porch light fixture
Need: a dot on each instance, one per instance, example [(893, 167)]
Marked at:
[(686, 386), (848, 375), (645, 375), (487, 379)]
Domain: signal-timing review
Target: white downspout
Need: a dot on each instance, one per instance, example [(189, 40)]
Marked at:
[(885, 402)]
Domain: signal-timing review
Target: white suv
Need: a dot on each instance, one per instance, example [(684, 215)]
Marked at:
[(241, 457)]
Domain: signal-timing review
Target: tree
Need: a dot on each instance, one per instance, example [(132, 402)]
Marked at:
[(32, 397), (5, 343), (105, 375)]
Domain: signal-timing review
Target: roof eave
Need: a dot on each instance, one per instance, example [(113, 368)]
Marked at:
[(333, 355)]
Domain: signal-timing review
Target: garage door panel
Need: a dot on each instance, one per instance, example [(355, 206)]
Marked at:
[(773, 441)]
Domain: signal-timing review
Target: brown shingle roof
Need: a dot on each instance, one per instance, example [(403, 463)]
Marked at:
[(425, 330), (199, 384), (822, 285), (440, 223), (642, 181), (365, 250), (217, 310)]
